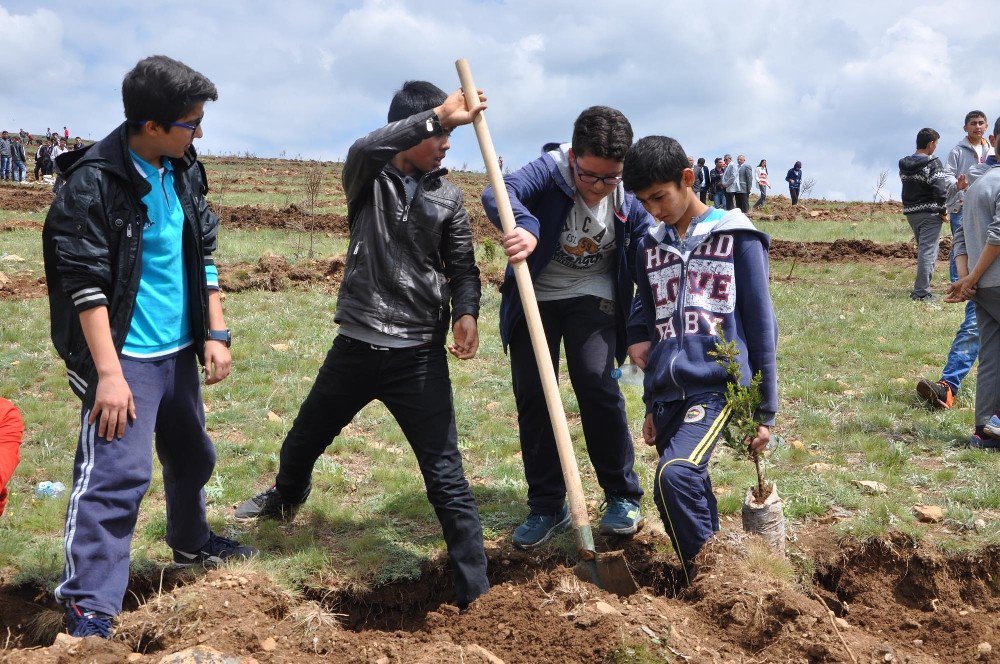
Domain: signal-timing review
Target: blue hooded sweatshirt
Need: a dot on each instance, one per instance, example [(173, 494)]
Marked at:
[(542, 194), (715, 278)]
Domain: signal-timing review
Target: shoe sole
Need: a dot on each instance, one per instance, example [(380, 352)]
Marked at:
[(992, 432), (622, 532), (925, 391), (549, 534)]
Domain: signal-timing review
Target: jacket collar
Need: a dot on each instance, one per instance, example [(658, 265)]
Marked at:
[(111, 154)]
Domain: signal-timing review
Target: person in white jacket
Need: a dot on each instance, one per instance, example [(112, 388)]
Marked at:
[(760, 177)]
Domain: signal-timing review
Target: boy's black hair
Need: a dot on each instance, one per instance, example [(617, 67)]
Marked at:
[(925, 136), (601, 131), (415, 97), (701, 161), (974, 114), (163, 89), (654, 160)]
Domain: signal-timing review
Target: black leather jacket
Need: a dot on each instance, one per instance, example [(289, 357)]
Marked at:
[(92, 245), (406, 261)]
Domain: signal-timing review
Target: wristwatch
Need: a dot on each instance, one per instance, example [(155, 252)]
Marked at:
[(225, 336)]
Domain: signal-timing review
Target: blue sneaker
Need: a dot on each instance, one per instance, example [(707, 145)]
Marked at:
[(216, 550), (621, 517), (83, 623), (978, 442), (538, 529), (992, 428)]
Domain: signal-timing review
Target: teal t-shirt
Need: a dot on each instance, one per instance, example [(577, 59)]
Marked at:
[(161, 320)]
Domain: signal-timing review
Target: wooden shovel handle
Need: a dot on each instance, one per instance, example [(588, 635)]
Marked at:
[(553, 400)]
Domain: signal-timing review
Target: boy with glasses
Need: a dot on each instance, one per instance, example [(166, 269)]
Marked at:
[(135, 306), (577, 228)]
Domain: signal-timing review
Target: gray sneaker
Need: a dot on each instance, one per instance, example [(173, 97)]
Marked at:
[(270, 505), (538, 529)]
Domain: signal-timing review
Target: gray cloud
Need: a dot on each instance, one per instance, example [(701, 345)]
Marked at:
[(843, 87)]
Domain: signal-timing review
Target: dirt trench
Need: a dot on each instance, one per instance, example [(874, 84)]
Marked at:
[(883, 600)]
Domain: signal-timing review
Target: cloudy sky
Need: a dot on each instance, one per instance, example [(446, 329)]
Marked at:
[(843, 87)]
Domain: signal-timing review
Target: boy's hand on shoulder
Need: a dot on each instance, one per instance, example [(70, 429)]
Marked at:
[(453, 112), (761, 440), (639, 353), (218, 362), (466, 338), (518, 244), (114, 405), (649, 430)]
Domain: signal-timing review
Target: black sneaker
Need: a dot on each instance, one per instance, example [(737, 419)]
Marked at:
[(270, 505), (936, 395), (84, 623), (216, 550)]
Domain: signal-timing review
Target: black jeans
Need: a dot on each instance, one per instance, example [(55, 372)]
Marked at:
[(588, 326), (743, 201), (793, 192), (730, 200), (414, 384), (703, 194)]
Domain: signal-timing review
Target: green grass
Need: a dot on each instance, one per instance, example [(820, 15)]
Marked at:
[(883, 228), (851, 347)]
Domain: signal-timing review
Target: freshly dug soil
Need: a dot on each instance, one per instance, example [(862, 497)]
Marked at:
[(25, 198), (290, 218), (893, 597), (851, 251), (273, 273), (22, 287)]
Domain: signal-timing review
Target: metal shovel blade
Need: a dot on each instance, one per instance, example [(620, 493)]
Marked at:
[(607, 571)]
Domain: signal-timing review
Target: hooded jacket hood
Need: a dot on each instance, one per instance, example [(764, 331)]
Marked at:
[(732, 220), (913, 163), (559, 153)]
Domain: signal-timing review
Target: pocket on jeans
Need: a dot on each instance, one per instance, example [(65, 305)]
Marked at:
[(346, 344)]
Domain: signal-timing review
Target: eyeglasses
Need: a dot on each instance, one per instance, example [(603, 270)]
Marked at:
[(589, 178), (183, 125)]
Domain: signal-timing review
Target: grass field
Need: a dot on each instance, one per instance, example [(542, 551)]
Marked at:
[(851, 348)]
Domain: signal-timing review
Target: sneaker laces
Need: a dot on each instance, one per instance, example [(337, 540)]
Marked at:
[(218, 543), (91, 623)]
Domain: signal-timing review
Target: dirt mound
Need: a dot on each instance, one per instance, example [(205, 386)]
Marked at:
[(850, 251), (22, 287), (891, 600), (290, 218), (274, 273), (780, 208), (21, 198)]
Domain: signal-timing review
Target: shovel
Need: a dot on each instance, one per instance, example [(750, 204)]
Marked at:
[(608, 571)]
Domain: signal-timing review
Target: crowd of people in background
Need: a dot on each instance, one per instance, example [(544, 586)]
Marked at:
[(729, 184), (14, 154)]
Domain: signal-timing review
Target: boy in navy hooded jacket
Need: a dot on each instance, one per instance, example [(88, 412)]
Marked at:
[(577, 229), (699, 272)]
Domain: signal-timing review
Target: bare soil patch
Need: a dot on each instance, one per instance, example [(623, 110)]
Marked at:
[(24, 286), (851, 251), (274, 273), (22, 198), (863, 600), (290, 218)]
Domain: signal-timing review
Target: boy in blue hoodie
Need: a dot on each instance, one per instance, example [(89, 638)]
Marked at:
[(577, 229), (700, 271)]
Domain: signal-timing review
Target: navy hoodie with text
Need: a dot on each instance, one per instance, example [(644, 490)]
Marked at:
[(716, 278)]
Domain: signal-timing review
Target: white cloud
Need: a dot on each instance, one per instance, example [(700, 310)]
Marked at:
[(844, 89)]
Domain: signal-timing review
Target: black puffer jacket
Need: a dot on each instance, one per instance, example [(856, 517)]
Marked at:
[(92, 245), (925, 184), (405, 262)]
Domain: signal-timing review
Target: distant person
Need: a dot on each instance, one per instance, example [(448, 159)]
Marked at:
[(413, 247), (925, 190), (5, 156), (135, 308), (18, 158), (11, 432), (577, 229), (971, 151), (78, 144), (977, 247), (31, 139), (731, 179), (676, 328), (760, 176), (65, 133), (43, 156), (23, 134), (745, 176), (717, 185), (794, 180), (702, 180)]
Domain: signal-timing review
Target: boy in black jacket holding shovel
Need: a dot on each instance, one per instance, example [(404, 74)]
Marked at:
[(410, 260)]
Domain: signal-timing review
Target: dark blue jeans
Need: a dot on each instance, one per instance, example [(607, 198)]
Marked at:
[(965, 347), (414, 385), (587, 324)]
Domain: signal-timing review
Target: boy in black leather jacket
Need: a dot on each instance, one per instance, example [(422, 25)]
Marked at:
[(410, 271)]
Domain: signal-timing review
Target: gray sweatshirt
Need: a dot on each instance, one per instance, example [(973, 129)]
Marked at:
[(961, 159), (981, 223)]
